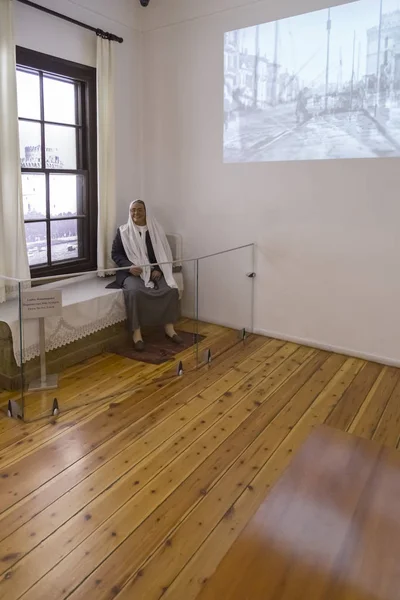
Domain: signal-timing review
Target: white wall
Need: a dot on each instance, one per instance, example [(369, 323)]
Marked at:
[(327, 231), (41, 32)]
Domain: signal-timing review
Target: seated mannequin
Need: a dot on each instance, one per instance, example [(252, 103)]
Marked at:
[(151, 293)]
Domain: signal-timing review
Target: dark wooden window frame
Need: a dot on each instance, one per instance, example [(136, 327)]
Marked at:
[(85, 79)]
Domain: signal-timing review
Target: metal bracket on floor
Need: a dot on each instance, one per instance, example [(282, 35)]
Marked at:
[(55, 410), (208, 357), (242, 335), (180, 369), (14, 410)]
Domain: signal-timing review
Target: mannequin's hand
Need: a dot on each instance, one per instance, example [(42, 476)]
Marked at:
[(156, 275)]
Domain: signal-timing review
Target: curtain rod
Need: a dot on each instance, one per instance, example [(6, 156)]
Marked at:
[(97, 31)]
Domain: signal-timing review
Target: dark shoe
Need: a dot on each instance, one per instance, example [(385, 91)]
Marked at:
[(139, 346), (175, 339)]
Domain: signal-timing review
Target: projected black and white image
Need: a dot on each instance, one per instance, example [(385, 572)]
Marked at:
[(324, 85)]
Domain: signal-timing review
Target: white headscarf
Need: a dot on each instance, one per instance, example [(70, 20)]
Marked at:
[(135, 247)]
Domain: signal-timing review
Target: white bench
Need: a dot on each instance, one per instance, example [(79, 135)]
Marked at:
[(88, 308)]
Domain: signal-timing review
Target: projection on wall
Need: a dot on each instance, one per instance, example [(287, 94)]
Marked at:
[(324, 85)]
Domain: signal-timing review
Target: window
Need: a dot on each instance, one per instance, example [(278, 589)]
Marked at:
[(58, 150)]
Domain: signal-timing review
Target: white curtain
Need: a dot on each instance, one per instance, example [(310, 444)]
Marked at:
[(13, 252), (106, 153)]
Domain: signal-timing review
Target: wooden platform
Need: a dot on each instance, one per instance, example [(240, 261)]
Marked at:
[(329, 529), (144, 499)]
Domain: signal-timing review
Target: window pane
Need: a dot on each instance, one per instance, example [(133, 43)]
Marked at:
[(66, 195), (64, 240), (30, 145), (34, 195), (59, 101), (36, 241), (60, 147), (28, 87)]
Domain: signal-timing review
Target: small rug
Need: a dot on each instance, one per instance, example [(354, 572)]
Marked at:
[(158, 349)]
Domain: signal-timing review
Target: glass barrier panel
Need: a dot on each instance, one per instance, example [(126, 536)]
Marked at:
[(225, 300), (11, 375), (81, 348), (189, 303), (67, 342)]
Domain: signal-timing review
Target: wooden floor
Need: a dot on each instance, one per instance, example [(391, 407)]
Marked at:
[(143, 498), (328, 530)]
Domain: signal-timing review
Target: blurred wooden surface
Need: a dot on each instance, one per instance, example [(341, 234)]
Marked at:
[(330, 529), (142, 496)]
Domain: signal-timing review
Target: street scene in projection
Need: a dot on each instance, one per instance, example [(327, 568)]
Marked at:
[(324, 85)]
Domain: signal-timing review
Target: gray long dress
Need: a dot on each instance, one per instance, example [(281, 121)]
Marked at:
[(145, 307)]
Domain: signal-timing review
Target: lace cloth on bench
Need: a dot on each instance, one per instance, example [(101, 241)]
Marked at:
[(88, 307)]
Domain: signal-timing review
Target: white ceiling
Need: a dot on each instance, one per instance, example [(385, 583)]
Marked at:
[(160, 13)]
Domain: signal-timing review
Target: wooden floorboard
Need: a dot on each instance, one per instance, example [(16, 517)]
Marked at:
[(140, 488), (39, 499), (118, 380)]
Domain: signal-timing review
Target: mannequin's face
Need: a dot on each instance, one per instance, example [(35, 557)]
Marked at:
[(138, 214)]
